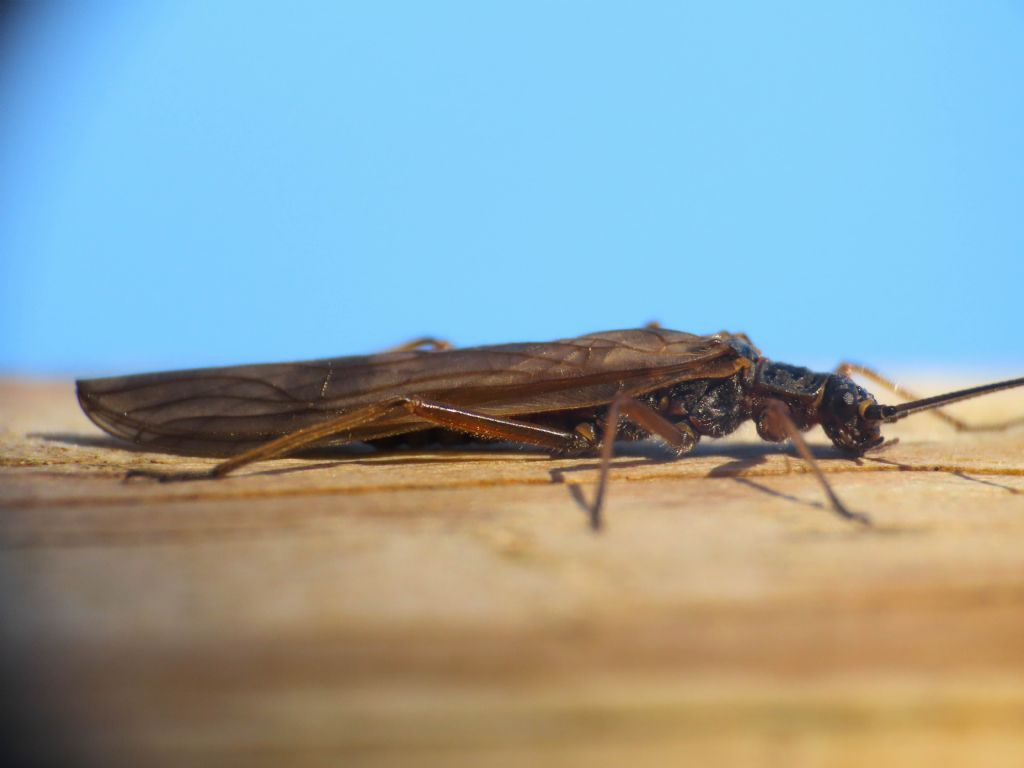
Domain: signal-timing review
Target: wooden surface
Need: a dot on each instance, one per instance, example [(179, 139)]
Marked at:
[(453, 609)]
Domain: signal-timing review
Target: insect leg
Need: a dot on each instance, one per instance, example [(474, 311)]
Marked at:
[(446, 416), (775, 420), (682, 439), (425, 341), (494, 427), (846, 369)]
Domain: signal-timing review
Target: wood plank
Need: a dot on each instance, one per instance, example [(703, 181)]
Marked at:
[(453, 609)]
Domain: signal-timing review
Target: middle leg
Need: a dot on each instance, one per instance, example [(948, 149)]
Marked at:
[(775, 423), (682, 438)]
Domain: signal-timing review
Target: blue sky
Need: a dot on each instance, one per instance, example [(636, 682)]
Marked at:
[(194, 183)]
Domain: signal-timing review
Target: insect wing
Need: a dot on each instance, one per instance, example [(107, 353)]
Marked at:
[(219, 411)]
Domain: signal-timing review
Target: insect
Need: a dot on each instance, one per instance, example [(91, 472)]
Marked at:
[(571, 397)]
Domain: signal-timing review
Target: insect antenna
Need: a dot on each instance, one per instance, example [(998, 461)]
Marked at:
[(891, 413)]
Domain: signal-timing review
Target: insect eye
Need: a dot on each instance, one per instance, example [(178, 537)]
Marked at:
[(846, 404)]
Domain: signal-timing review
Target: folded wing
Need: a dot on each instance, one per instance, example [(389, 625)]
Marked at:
[(220, 411)]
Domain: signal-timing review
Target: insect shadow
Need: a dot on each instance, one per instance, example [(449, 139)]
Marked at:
[(88, 441), (1008, 488), (962, 474), (744, 457)]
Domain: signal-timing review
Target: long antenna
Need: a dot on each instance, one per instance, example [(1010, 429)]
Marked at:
[(891, 413)]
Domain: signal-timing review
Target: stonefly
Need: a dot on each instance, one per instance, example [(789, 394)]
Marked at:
[(571, 397)]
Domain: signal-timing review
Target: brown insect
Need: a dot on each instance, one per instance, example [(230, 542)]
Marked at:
[(570, 397)]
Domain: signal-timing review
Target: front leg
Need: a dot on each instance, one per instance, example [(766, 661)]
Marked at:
[(775, 423)]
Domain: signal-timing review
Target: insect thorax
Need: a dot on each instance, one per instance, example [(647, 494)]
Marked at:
[(717, 407), (789, 381), (800, 388), (713, 407)]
